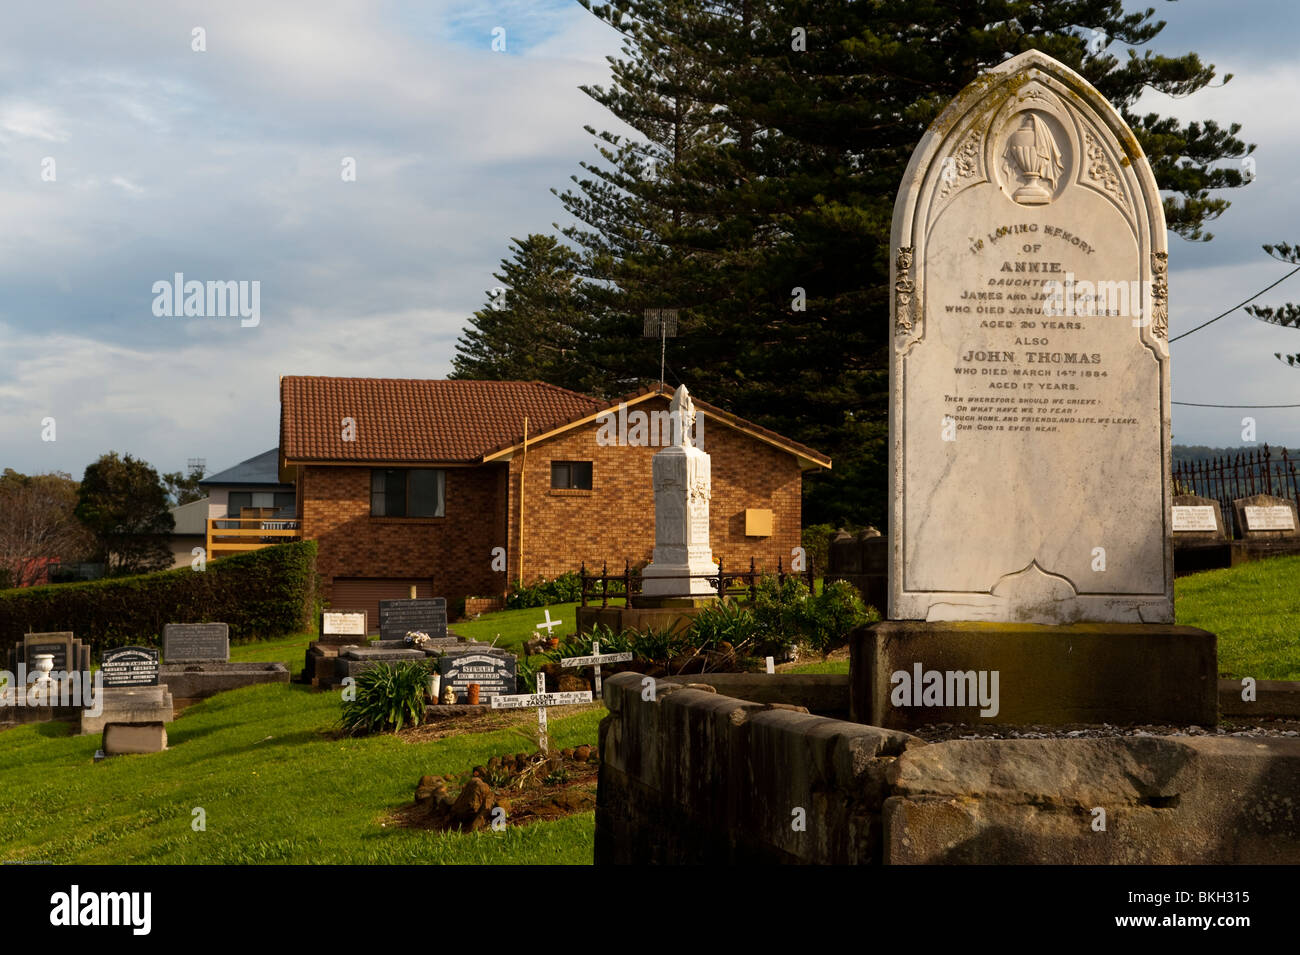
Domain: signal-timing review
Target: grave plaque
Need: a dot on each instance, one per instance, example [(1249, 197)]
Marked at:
[(1269, 518), (196, 642), (1194, 517), (1265, 516), (130, 666), (1029, 417), (59, 644), (493, 672), (399, 617), (343, 623)]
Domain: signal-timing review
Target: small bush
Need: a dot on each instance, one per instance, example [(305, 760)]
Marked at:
[(388, 696), (566, 588)]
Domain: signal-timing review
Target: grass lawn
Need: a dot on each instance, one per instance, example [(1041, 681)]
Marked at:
[(275, 786), (517, 626), (291, 651), (1255, 610)]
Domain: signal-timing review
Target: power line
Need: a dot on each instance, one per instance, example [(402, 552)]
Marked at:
[(1233, 309)]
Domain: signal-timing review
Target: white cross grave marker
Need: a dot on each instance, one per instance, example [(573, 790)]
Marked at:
[(541, 699), (548, 624), (596, 659)]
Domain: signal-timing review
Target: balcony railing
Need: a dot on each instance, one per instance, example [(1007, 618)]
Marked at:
[(235, 535)]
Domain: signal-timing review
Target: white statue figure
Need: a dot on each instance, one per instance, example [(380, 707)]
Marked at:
[(683, 558)]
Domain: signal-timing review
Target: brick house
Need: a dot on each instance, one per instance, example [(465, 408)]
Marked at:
[(461, 487)]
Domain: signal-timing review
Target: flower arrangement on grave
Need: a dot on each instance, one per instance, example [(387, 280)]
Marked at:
[(417, 638)]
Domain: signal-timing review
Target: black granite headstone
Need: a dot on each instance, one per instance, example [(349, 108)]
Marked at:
[(196, 642), (130, 666), (494, 673), (397, 618)]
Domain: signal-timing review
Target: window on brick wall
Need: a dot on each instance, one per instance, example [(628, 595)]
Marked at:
[(571, 474), (407, 492)]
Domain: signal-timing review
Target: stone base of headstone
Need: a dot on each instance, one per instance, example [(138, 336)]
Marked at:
[(130, 704), (652, 602), (1077, 673), (123, 738), (197, 681)]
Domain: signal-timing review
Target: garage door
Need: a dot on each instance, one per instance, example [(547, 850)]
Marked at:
[(364, 593)]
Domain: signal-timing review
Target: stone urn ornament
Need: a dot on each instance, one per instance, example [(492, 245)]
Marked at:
[(44, 665)]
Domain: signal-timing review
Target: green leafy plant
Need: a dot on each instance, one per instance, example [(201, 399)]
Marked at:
[(725, 622), (829, 618), (388, 696), (542, 592)]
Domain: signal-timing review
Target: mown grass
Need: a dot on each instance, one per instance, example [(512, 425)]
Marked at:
[(515, 627), (274, 783), (1254, 609)]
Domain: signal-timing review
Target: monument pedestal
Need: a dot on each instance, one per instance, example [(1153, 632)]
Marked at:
[(1074, 673)]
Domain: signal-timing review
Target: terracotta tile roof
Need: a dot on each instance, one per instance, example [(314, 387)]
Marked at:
[(461, 422), (403, 419), (711, 411)]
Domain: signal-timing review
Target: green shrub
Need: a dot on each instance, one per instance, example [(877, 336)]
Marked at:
[(789, 613), (388, 696), (831, 616), (566, 588), (816, 542), (266, 593), (725, 622)]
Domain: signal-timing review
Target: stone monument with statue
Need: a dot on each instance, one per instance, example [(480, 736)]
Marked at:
[(1029, 483), (683, 558)]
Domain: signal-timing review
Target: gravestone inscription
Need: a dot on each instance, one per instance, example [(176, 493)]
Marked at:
[(1030, 363), (343, 623), (1196, 520), (196, 642), (397, 618), (1265, 516), (130, 666), (494, 673)]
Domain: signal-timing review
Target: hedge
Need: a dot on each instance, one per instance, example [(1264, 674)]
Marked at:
[(266, 593)]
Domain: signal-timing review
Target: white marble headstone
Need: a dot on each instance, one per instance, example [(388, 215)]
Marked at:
[(1029, 419), (683, 486)]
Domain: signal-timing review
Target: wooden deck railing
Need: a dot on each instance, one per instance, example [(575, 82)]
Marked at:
[(234, 535)]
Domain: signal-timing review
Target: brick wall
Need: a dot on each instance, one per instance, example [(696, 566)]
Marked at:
[(455, 550), (561, 529), (616, 519)]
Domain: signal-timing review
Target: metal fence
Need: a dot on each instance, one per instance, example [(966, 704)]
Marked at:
[(1229, 477), (723, 583)]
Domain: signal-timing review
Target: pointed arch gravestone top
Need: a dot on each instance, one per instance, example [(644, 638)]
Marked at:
[(1030, 418), (1031, 557)]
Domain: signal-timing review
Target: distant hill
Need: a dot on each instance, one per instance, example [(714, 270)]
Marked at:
[(1200, 452)]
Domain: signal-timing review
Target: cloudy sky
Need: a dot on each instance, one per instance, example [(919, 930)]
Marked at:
[(227, 165)]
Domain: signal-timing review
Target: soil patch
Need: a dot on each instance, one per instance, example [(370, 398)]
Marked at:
[(510, 790)]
